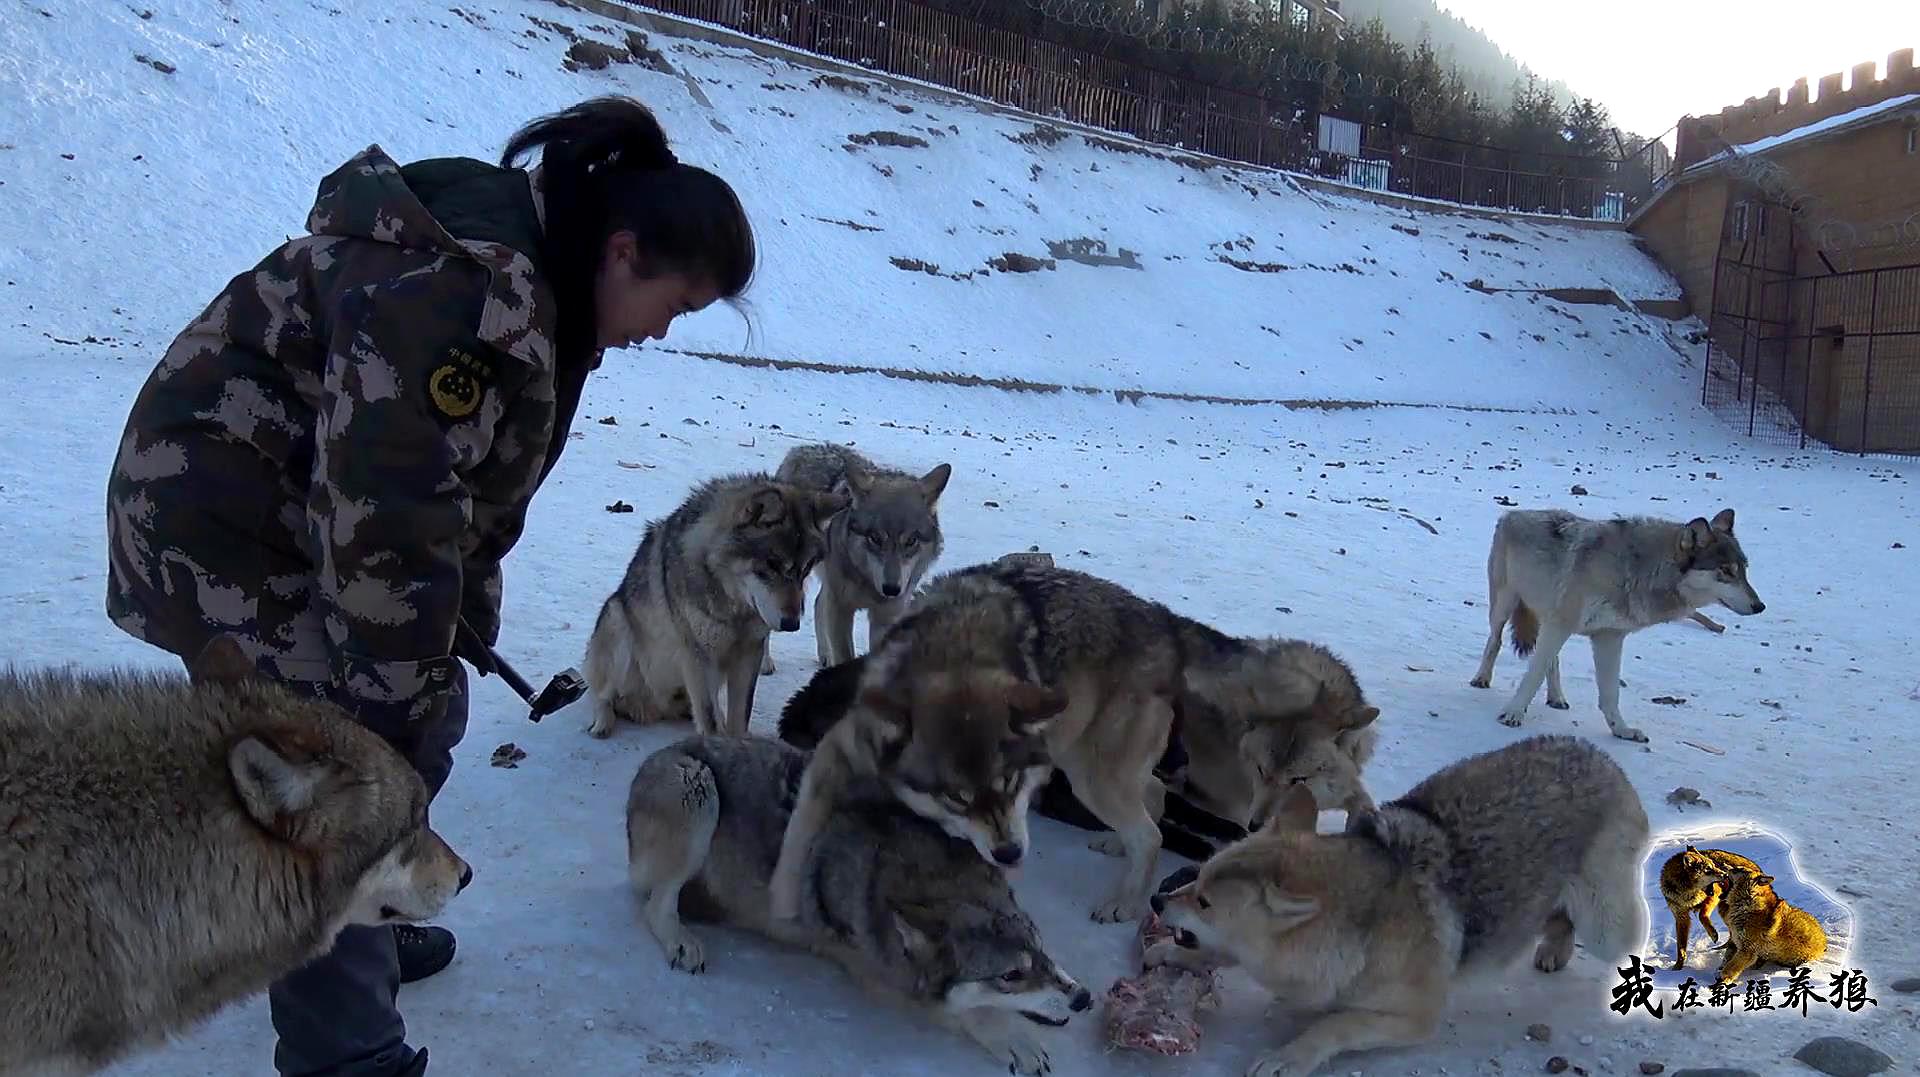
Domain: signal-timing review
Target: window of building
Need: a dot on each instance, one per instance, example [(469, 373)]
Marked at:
[(1913, 140), (1739, 221), (1297, 13)]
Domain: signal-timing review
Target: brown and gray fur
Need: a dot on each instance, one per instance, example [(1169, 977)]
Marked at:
[(949, 715), (1528, 847), (877, 549), (1690, 885), (1765, 928), (708, 583), (912, 914), (1126, 666), (170, 846), (1557, 575)]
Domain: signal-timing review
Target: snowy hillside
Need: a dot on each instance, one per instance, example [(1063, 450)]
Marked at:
[(148, 153)]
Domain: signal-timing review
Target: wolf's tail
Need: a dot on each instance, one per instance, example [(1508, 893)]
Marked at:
[(1526, 629)]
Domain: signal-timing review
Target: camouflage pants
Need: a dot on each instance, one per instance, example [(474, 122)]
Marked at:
[(337, 1016)]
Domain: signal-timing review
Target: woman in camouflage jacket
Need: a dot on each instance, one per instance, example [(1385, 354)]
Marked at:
[(330, 462)]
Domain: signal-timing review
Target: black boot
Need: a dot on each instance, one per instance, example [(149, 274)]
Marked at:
[(423, 951), (416, 1067)]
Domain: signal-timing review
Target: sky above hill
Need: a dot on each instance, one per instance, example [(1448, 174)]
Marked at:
[(1653, 61)]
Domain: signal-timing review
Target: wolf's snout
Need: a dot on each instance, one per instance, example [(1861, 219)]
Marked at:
[(789, 622), (466, 877), (891, 590), (1008, 854), (1759, 606), (1159, 903), (1082, 999), (1258, 822)]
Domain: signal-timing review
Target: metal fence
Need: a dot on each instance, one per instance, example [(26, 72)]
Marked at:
[(901, 37), (1830, 359)]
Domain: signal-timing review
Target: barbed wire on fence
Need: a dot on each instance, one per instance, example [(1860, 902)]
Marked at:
[(1778, 186)]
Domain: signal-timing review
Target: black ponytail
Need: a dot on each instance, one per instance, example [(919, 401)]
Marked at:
[(606, 168)]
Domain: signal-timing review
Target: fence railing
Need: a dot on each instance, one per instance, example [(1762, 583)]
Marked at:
[(1832, 358), (1008, 67)]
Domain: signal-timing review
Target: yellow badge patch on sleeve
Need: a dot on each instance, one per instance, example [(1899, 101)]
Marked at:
[(459, 381)]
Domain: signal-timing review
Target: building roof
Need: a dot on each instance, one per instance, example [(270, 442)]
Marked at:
[(1864, 116), (1859, 117)]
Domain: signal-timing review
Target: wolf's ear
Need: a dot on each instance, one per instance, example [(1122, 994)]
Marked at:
[(826, 505), (1723, 521), (1034, 706), (1763, 880), (1695, 535), (766, 507), (273, 788), (221, 661), (1298, 811), (918, 929), (1337, 716), (859, 483), (1287, 908), (934, 482)]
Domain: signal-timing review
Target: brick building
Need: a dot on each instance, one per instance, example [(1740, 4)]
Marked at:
[(1793, 226)]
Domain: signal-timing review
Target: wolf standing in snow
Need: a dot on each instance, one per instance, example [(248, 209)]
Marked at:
[(1557, 575), (877, 549), (332, 460), (1533, 845), (174, 847)]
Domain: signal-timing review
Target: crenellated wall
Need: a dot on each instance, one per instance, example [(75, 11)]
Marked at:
[(1700, 137)]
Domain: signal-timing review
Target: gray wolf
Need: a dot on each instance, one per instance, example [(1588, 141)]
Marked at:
[(1765, 928), (1557, 575), (1185, 829), (949, 714), (1250, 710), (1690, 884), (177, 844), (1537, 842), (911, 913), (707, 584), (877, 549)]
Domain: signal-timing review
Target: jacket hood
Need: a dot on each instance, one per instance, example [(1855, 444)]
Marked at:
[(368, 198)]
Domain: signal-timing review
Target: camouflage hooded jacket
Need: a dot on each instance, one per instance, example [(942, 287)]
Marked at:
[(332, 459)]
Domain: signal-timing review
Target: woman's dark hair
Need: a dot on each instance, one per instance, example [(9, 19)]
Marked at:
[(606, 168)]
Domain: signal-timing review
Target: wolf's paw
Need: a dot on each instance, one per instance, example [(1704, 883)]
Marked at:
[(602, 725), (1481, 682), (1559, 704), (1109, 845), (1021, 1051), (1512, 718), (1552, 955), (1119, 911), (1627, 732), (1281, 1063), (685, 954), (766, 664)]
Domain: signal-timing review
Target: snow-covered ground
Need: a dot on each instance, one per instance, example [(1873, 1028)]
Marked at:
[(128, 195)]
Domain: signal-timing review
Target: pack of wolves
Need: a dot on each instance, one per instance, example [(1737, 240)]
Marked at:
[(877, 828)]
